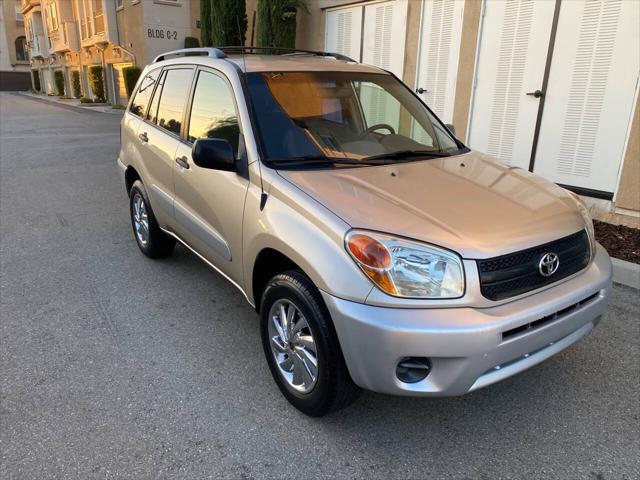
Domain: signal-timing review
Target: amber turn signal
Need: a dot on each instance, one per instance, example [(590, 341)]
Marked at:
[(373, 258)]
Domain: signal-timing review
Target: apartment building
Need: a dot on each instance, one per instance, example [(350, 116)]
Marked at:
[(549, 86), (73, 35), (14, 56)]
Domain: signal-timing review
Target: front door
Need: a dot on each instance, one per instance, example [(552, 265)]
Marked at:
[(209, 204)]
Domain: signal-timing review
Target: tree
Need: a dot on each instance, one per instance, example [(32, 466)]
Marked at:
[(58, 78), (223, 22), (205, 23), (277, 22)]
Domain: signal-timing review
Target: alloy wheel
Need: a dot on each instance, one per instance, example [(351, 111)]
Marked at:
[(140, 219), (293, 346)]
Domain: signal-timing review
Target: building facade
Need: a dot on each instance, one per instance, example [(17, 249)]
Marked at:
[(548, 86), (14, 55), (74, 35)]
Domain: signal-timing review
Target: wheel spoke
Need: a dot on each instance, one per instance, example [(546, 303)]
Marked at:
[(291, 313), (287, 364), (309, 358), (299, 325), (306, 341), (276, 341), (276, 323), (301, 367)]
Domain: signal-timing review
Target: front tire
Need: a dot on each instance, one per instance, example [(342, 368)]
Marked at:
[(302, 348), (151, 240)]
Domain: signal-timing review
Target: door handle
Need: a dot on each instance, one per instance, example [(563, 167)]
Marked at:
[(536, 94), (143, 137), (421, 90), (183, 162)]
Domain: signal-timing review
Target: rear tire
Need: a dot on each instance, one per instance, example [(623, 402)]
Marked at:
[(151, 240), (332, 388)]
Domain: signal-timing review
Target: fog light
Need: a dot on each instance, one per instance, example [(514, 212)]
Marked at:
[(413, 369)]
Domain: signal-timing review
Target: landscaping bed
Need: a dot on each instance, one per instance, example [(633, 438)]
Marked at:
[(620, 241)]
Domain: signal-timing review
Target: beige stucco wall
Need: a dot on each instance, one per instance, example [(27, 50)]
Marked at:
[(466, 63), (629, 190), (10, 31), (130, 28)]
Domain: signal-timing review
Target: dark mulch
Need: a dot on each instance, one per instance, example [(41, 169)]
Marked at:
[(620, 241)]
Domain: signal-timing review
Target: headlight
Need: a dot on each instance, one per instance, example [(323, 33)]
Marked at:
[(588, 222), (404, 268)]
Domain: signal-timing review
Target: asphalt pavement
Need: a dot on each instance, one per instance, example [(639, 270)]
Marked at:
[(117, 366)]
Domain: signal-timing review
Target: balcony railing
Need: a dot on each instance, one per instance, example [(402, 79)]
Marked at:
[(98, 21)]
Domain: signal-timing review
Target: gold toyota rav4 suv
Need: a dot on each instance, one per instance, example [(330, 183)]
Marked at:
[(378, 250)]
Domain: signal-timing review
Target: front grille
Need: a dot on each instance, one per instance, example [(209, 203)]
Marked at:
[(528, 327), (517, 273)]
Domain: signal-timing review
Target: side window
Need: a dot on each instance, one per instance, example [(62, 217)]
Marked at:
[(213, 112), (173, 99), (152, 114), (141, 99)]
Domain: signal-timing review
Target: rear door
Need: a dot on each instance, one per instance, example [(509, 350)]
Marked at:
[(209, 204), (159, 136), (131, 153)]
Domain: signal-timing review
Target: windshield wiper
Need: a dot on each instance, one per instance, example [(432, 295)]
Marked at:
[(400, 154), (322, 160)]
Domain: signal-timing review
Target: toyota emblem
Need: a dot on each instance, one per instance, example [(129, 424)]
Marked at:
[(549, 264)]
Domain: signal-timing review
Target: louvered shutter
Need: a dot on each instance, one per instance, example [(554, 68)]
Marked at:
[(439, 53), (385, 27), (343, 32), (590, 98), (511, 61)]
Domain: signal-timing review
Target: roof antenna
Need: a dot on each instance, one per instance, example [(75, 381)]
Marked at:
[(263, 194)]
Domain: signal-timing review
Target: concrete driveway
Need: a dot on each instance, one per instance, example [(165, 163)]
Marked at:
[(116, 366)]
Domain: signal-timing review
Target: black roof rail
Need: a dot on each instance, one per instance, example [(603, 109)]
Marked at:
[(284, 51), (210, 52)]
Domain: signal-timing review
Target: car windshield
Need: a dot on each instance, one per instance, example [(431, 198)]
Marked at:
[(343, 118)]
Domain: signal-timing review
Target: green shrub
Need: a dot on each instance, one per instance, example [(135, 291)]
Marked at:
[(191, 42), (117, 106), (36, 80), (96, 82), (75, 83), (86, 100), (58, 79), (131, 75), (277, 22)]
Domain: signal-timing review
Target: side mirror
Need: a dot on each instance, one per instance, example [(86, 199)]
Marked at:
[(451, 128), (213, 153)]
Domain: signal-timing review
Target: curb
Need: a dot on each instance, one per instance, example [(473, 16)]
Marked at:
[(71, 106), (626, 273)]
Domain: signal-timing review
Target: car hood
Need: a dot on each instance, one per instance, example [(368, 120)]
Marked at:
[(469, 203)]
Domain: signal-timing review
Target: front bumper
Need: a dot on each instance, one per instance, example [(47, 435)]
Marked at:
[(468, 347)]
